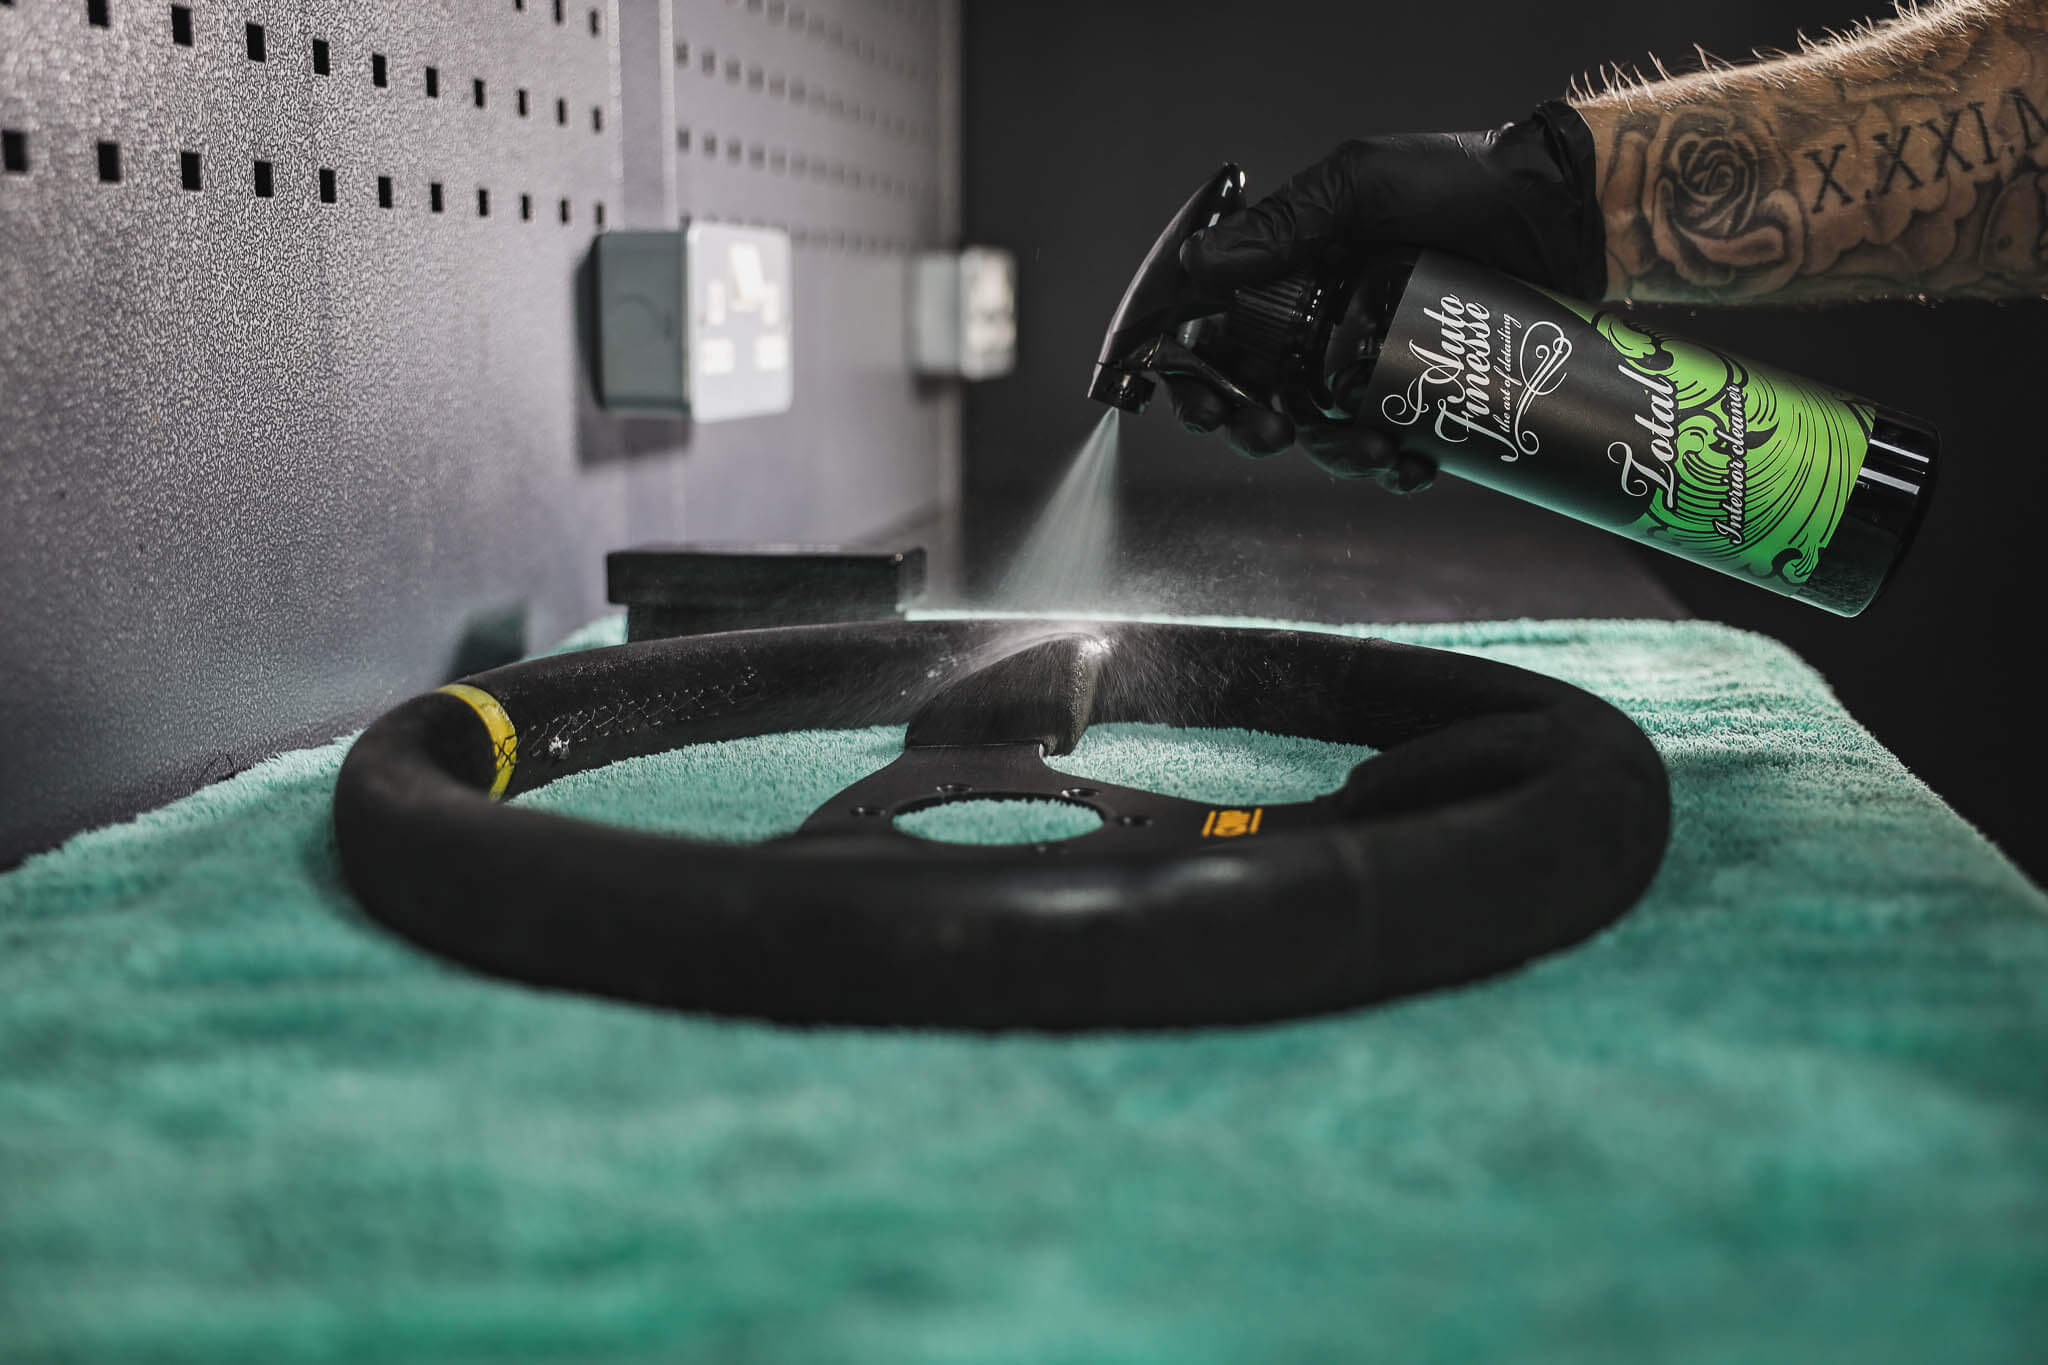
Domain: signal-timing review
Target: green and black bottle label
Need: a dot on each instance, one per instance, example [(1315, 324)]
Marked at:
[(1736, 465)]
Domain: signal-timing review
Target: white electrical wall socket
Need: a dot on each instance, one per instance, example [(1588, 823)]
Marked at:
[(742, 339), (698, 322), (963, 315)]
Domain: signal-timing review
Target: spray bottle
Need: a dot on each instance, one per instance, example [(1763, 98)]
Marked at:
[(1774, 479)]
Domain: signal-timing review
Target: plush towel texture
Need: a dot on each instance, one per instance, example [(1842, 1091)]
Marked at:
[(1793, 1108)]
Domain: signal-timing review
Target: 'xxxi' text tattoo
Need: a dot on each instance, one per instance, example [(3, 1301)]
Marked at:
[(1910, 160)]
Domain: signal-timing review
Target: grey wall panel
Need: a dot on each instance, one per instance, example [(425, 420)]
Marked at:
[(827, 120), (267, 461), (860, 451)]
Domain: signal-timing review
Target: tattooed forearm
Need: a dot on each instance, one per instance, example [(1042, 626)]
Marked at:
[(1912, 159)]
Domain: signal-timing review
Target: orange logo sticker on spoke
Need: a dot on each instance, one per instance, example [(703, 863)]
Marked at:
[(1229, 824)]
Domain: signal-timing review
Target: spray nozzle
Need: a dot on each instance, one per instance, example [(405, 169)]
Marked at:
[(1161, 297)]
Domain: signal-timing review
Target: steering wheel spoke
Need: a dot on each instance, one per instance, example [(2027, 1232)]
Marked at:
[(934, 775)]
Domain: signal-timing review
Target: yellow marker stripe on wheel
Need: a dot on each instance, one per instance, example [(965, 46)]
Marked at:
[(504, 739)]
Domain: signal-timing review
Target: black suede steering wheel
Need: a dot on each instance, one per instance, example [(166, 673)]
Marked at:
[(1507, 815)]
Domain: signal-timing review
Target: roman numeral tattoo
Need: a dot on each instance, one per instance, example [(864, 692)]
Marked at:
[(1912, 161), (1827, 176), (1896, 161)]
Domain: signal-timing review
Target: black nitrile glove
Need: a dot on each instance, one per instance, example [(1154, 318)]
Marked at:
[(1519, 198)]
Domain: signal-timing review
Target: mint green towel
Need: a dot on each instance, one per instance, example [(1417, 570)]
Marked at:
[(1793, 1108)]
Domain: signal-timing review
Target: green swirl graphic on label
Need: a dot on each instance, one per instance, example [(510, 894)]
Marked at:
[(1743, 468)]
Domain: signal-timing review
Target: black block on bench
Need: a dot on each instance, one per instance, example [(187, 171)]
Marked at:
[(670, 590)]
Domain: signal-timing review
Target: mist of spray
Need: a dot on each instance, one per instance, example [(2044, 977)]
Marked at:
[(1067, 560)]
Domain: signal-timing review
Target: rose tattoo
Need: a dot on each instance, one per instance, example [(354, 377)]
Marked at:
[(1711, 203)]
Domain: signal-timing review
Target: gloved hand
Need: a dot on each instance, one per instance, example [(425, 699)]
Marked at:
[(1519, 198)]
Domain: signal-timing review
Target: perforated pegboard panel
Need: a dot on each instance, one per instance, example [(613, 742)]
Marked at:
[(280, 448), (829, 120), (820, 119)]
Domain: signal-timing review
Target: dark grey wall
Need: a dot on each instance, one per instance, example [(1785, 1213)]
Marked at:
[(268, 464), (1086, 123)]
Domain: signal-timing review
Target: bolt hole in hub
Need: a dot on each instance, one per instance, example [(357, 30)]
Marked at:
[(1000, 820)]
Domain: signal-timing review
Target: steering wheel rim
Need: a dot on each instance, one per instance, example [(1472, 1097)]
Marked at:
[(1507, 815)]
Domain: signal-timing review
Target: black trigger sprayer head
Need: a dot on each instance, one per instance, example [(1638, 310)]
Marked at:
[(1161, 297)]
